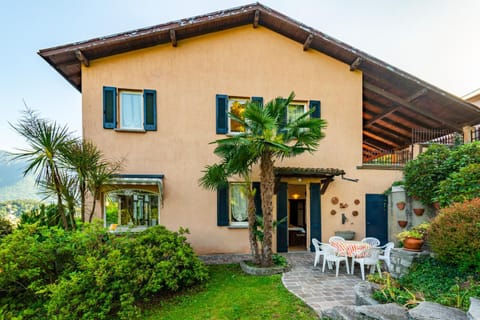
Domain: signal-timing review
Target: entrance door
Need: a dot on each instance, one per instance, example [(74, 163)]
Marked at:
[(377, 217)]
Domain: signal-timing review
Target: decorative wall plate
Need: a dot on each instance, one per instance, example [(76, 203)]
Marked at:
[(333, 212), (334, 200), (356, 201), (354, 213), (343, 205)]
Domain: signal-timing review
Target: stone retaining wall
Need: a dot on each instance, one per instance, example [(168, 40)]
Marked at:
[(402, 259)]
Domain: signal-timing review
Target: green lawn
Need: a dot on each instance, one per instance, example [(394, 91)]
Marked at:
[(231, 294)]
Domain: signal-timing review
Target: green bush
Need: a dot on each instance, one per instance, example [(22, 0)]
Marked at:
[(455, 235), (423, 175), (460, 186), (441, 282), (44, 215), (6, 227), (461, 157), (92, 274)]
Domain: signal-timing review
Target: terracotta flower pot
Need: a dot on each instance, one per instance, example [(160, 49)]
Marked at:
[(418, 211), (402, 223), (413, 244), (401, 205)]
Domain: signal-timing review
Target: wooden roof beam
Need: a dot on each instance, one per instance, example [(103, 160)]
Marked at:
[(417, 94), (256, 18), (307, 42), (173, 37), (81, 57), (409, 105), (381, 139), (355, 64)]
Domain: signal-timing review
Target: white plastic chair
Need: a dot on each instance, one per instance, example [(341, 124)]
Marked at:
[(331, 256), (335, 238), (367, 257), (374, 242), (319, 252), (386, 254)]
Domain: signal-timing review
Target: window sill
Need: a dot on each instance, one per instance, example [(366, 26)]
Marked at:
[(238, 226), (130, 130)]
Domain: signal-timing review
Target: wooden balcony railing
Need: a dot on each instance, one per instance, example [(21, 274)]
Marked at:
[(390, 158)]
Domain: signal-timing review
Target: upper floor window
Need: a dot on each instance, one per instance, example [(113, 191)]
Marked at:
[(129, 109), (234, 105), (295, 110)]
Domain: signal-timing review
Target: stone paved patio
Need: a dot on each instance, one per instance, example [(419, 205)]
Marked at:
[(319, 290)]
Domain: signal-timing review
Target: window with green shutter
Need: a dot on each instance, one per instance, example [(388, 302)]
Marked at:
[(129, 110)]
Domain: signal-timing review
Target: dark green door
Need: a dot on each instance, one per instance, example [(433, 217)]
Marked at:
[(282, 211), (377, 217)]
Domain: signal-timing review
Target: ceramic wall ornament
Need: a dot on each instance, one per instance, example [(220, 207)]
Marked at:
[(355, 213), (418, 211), (333, 212), (401, 205), (356, 201), (334, 200), (343, 205)]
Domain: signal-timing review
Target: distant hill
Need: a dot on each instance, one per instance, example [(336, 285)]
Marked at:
[(13, 185)]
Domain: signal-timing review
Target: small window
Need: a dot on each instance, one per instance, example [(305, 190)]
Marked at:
[(238, 204), (236, 106), (131, 110), (295, 110)]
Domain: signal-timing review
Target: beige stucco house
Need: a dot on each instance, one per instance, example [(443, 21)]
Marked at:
[(156, 97)]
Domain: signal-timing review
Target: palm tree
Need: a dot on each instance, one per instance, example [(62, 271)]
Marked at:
[(268, 136), (46, 139)]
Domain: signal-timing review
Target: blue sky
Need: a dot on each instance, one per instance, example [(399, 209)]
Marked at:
[(435, 40)]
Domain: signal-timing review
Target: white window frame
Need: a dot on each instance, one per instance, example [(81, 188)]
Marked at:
[(120, 106), (230, 214), (231, 101)]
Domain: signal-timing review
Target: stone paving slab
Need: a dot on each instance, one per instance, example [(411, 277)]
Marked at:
[(319, 290)]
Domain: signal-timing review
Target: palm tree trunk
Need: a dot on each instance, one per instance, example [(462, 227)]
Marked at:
[(252, 226), (57, 183), (83, 190), (267, 183), (94, 204)]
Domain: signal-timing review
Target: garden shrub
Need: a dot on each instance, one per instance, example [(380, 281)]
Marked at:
[(462, 156), (460, 186), (423, 174), (454, 235), (92, 274), (6, 227)]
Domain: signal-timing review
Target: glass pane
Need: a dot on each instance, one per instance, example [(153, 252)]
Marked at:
[(131, 110), (131, 207), (237, 108), (238, 202), (295, 111)]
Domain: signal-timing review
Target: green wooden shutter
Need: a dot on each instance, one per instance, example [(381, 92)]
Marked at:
[(222, 113), (258, 101), (109, 107), (282, 211), (315, 104), (315, 214), (222, 207), (257, 199), (150, 110)]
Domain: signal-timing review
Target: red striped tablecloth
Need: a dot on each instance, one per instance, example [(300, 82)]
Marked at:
[(348, 248)]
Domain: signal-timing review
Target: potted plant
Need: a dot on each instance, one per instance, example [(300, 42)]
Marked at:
[(413, 239), (401, 205)]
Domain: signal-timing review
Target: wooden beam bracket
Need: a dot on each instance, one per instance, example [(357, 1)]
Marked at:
[(307, 42), (81, 57), (356, 63), (173, 37), (256, 18)]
